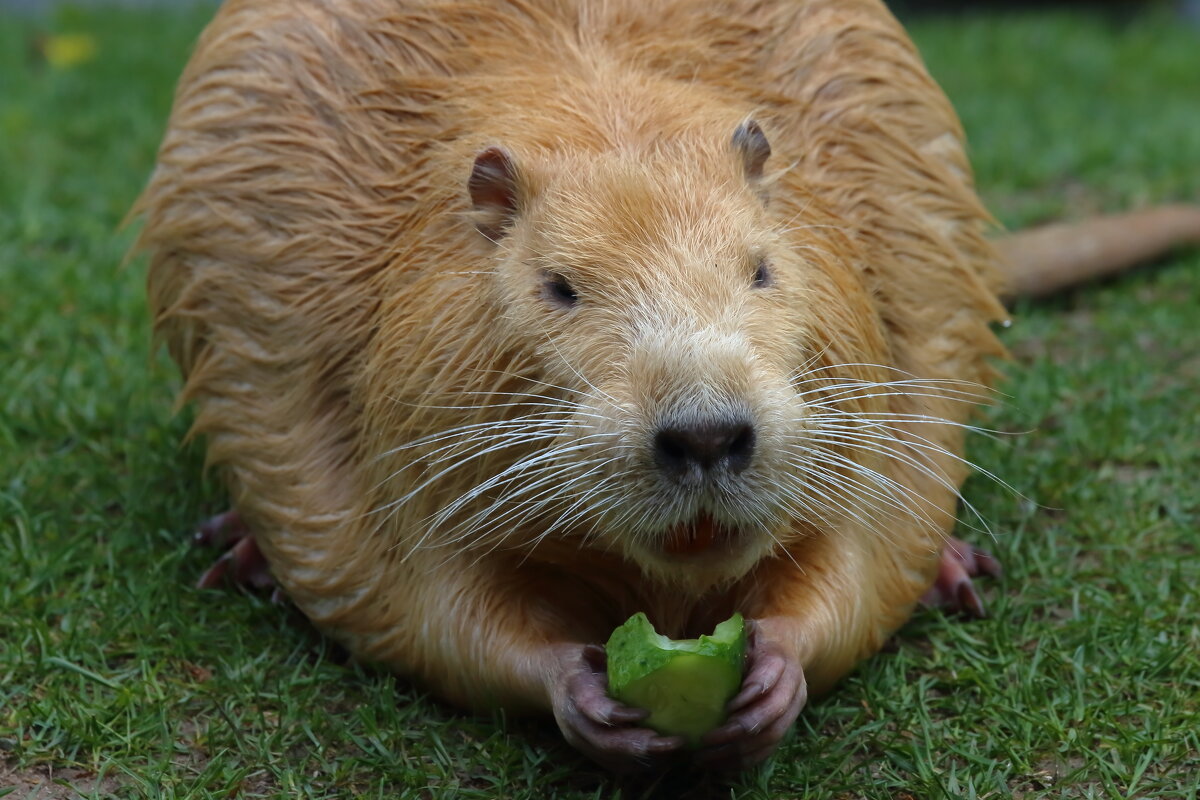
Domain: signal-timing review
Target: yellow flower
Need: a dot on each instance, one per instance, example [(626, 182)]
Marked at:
[(66, 50)]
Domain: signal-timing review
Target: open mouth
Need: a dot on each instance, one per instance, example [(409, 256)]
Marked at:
[(697, 536)]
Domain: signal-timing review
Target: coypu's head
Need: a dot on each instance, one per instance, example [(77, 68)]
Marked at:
[(669, 324)]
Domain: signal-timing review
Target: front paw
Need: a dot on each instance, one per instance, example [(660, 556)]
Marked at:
[(598, 726), (760, 715)]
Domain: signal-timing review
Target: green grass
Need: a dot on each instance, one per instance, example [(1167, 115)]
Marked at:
[(120, 679)]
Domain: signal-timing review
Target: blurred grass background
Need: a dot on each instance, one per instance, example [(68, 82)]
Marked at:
[(119, 679)]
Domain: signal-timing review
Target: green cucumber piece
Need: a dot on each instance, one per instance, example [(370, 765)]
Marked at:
[(684, 684)]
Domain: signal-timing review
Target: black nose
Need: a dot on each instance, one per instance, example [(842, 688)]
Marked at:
[(693, 450)]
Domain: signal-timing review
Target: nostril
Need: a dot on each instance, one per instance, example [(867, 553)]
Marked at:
[(740, 451), (682, 450), (673, 452)]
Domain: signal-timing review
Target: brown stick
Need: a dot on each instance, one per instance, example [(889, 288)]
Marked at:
[(1045, 260)]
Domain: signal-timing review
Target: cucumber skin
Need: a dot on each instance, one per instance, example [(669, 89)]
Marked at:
[(685, 683)]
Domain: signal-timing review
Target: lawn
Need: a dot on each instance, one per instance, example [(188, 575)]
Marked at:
[(119, 679)]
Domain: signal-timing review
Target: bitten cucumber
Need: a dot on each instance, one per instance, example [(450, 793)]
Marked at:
[(685, 683)]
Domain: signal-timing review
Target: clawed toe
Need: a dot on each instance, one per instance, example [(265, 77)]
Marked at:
[(242, 562), (953, 589)]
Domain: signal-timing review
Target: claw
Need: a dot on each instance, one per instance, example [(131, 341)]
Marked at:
[(600, 727), (953, 589), (773, 692), (242, 560), (969, 600), (213, 576)]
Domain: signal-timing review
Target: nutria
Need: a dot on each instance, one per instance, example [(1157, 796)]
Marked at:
[(504, 321)]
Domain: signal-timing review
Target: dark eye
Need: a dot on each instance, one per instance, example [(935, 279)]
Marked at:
[(558, 291), (762, 273)]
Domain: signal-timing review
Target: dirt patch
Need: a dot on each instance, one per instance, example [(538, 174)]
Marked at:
[(53, 783)]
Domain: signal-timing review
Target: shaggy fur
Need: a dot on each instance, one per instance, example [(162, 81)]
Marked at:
[(446, 468)]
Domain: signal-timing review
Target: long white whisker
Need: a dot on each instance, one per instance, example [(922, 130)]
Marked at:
[(857, 393), (834, 478), (884, 417), (483, 432), (827, 472), (505, 443), (544, 474), (938, 476), (523, 465), (888, 368), (908, 439)]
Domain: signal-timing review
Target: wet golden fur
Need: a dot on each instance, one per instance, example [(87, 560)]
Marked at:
[(316, 273)]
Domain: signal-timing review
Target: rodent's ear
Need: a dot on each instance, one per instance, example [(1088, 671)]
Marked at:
[(493, 189), (751, 144)]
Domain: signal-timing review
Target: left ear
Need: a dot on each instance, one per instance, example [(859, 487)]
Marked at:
[(752, 146)]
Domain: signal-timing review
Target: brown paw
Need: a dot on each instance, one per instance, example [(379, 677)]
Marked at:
[(598, 726), (772, 695), (953, 589)]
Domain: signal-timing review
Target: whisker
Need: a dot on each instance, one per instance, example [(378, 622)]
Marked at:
[(886, 492), (870, 417), (857, 391), (827, 469), (505, 443), (924, 444), (487, 428), (516, 468), (439, 517), (937, 476), (545, 474), (896, 370)]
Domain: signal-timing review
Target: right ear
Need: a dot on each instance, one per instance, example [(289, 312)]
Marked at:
[(751, 144), (493, 190)]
